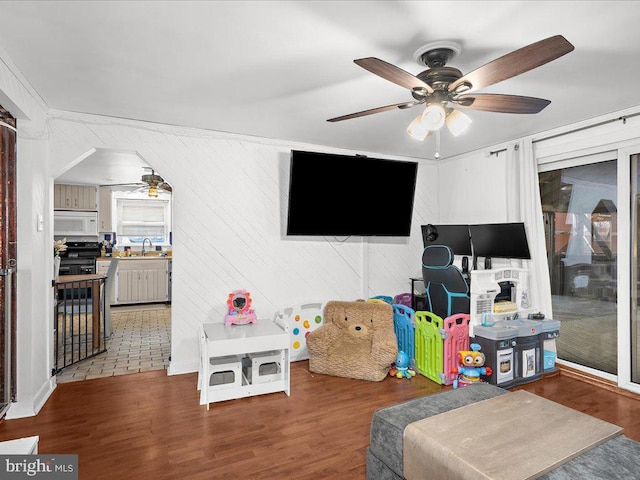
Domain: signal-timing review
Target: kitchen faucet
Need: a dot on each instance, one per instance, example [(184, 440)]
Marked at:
[(143, 242)]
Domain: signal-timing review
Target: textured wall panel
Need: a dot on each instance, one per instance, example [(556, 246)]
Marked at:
[(230, 209)]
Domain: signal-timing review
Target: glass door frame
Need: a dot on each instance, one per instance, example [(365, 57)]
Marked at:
[(624, 152), (626, 261)]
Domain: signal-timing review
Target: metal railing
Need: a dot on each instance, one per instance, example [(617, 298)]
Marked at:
[(79, 324)]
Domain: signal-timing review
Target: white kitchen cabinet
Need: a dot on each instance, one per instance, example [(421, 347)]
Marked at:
[(142, 281), (138, 280), (74, 197), (104, 210)]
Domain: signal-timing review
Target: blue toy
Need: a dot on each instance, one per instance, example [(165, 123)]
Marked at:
[(401, 368), (384, 298), (471, 367)]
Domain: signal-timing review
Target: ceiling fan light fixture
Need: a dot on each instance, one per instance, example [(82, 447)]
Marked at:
[(457, 122), (434, 116), (153, 191), (418, 129)]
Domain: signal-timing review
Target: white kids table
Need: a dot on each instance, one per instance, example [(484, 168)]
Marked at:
[(240, 340)]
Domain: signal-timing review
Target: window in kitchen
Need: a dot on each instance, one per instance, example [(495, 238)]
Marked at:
[(138, 218)]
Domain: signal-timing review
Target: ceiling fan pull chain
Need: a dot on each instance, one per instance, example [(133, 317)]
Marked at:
[(437, 155)]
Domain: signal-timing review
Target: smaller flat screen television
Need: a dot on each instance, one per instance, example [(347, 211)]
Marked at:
[(500, 240), (456, 237), (341, 195)]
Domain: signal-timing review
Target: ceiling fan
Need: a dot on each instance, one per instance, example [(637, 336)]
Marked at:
[(443, 89), (148, 182)]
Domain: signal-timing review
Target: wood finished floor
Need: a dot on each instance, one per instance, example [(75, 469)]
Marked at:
[(149, 425)]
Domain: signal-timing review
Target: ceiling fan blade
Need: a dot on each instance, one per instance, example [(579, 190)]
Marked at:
[(393, 74), (514, 63), (131, 184), (501, 103), (401, 106)]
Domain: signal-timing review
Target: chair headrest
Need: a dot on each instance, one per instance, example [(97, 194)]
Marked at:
[(437, 256)]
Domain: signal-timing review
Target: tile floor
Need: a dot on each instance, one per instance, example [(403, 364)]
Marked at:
[(141, 341)]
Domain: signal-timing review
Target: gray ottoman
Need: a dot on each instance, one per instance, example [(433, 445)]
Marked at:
[(615, 459)]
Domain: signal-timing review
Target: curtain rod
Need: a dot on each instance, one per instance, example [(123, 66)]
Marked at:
[(496, 152), (586, 127)]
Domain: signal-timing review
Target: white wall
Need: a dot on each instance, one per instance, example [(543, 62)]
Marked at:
[(34, 271), (229, 207), (475, 188), (229, 214)]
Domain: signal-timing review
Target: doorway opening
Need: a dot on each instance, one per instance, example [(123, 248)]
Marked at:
[(8, 249), (133, 214)]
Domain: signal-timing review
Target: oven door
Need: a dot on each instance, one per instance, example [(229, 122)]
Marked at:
[(65, 270), (505, 366)]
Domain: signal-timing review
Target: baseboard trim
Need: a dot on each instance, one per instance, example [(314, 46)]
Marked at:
[(596, 381), (32, 407)]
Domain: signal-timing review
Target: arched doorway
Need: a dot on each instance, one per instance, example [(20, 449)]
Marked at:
[(134, 226)]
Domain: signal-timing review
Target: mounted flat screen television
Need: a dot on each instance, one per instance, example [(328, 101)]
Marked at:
[(500, 240), (350, 195), (456, 237)]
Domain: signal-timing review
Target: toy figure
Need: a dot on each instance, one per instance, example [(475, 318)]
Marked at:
[(472, 366), (239, 303), (401, 369)]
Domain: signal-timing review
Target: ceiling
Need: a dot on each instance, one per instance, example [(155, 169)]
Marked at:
[(107, 167), (281, 69)]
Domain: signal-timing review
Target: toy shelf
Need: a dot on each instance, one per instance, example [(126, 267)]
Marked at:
[(247, 343)]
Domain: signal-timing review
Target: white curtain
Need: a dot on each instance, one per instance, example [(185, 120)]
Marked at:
[(527, 197)]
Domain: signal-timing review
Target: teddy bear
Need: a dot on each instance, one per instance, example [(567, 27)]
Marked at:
[(357, 341)]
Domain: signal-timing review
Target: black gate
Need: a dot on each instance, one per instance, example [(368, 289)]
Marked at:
[(79, 325)]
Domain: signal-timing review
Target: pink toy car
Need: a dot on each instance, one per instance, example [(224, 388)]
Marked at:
[(240, 313)]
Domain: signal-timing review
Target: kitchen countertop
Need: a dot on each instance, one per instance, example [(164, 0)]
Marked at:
[(134, 257), (64, 279)]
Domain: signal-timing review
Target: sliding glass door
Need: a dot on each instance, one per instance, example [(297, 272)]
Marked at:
[(635, 273), (581, 218)]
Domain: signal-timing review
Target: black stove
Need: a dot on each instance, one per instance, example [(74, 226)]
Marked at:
[(79, 258)]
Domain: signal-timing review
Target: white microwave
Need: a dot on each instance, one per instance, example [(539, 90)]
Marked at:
[(69, 224)]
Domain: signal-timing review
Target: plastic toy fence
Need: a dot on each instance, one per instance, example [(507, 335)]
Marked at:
[(437, 343), (429, 345), (405, 331), (384, 298), (403, 299), (456, 330), (302, 320)]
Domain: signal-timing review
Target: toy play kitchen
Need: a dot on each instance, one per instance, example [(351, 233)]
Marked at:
[(518, 350), (528, 351), (513, 350), (550, 331), (498, 344)]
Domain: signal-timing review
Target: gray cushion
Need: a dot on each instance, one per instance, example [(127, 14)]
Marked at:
[(615, 459)]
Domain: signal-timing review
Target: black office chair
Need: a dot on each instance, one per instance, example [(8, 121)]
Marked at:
[(447, 291)]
